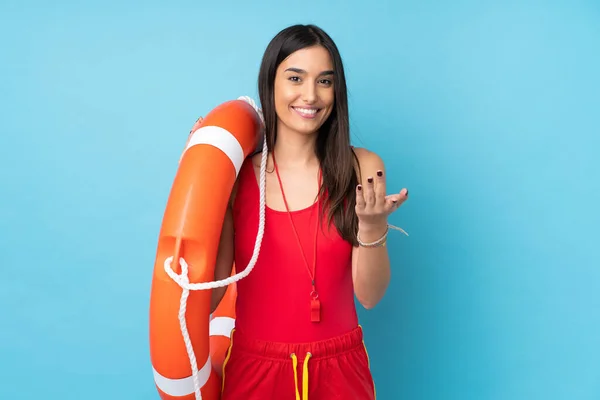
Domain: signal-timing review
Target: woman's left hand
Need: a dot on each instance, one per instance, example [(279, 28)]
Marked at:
[(194, 128), (373, 206)]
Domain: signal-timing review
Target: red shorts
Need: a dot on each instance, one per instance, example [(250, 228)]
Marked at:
[(336, 368)]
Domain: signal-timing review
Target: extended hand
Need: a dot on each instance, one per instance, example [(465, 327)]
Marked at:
[(373, 206)]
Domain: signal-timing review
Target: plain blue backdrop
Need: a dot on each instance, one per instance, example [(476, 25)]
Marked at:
[(486, 111)]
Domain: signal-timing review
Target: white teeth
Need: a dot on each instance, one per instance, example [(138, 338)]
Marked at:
[(306, 110)]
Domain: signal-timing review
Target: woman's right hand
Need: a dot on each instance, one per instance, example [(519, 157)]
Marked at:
[(194, 128)]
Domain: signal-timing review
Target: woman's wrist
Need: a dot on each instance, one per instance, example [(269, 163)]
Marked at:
[(371, 233)]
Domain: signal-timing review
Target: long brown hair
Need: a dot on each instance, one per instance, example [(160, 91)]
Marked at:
[(333, 149)]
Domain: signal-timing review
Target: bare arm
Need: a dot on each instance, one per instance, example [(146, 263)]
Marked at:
[(370, 269), (371, 272)]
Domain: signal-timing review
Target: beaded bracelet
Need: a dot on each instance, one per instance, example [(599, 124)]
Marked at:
[(382, 240), (378, 243)]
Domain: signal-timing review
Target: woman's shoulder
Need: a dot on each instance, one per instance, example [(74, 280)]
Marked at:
[(368, 162)]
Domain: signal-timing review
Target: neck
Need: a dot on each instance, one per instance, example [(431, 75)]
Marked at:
[(295, 150)]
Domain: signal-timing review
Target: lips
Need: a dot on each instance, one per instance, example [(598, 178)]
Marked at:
[(306, 112)]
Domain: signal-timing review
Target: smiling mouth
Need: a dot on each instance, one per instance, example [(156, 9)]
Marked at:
[(307, 113)]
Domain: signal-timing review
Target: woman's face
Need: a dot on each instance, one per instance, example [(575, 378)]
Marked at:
[(304, 92)]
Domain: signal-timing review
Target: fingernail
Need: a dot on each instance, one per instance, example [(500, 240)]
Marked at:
[(370, 180), (406, 192), (379, 173), (359, 187)]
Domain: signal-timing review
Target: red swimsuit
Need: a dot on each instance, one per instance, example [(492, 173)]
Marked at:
[(277, 352)]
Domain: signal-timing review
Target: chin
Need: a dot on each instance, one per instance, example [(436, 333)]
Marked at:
[(304, 128)]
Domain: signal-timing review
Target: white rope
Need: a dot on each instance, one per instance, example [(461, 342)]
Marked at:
[(398, 229), (183, 281), (251, 101)]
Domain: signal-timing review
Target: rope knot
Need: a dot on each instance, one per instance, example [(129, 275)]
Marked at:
[(181, 279)]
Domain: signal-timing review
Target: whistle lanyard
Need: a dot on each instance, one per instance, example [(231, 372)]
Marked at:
[(315, 304)]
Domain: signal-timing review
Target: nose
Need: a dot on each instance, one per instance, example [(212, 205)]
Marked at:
[(309, 93)]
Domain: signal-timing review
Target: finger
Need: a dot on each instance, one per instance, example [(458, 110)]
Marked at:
[(403, 194), (393, 201), (370, 192), (194, 128), (196, 125), (393, 198), (380, 188), (360, 199)]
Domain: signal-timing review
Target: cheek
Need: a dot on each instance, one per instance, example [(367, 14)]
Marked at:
[(330, 104), (283, 98), (284, 95), (327, 97), (280, 105)]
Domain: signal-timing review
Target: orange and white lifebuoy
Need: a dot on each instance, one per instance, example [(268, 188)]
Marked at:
[(180, 343)]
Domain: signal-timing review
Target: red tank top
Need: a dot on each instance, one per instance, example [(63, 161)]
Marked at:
[(273, 301)]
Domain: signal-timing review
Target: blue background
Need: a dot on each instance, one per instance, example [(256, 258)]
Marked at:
[(486, 111)]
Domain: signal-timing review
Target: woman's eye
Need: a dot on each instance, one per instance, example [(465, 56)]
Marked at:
[(294, 78), (326, 82)]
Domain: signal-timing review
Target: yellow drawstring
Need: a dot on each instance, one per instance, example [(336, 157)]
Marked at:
[(226, 360), (304, 376)]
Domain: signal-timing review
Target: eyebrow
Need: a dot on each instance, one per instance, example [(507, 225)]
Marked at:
[(301, 71)]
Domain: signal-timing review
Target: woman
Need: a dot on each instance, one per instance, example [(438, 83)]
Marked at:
[(297, 334)]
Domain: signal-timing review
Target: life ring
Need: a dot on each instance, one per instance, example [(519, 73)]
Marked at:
[(180, 294)]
